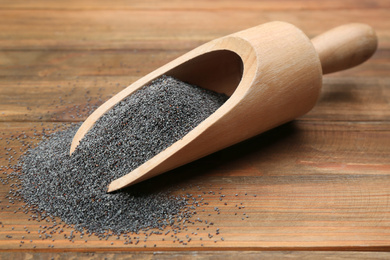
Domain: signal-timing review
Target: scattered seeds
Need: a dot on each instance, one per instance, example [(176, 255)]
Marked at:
[(74, 187)]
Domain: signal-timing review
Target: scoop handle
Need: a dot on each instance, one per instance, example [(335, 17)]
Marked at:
[(345, 46)]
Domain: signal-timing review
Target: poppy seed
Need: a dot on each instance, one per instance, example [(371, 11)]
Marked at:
[(142, 125)]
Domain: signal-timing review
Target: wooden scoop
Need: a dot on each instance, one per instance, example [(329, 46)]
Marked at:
[(272, 73)]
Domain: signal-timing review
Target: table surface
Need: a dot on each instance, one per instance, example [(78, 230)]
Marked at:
[(321, 182)]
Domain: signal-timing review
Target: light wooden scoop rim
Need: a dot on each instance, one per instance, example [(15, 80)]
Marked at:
[(230, 65)]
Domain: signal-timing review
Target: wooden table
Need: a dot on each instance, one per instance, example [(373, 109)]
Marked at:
[(322, 182)]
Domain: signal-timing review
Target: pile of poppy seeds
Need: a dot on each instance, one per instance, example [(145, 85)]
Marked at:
[(74, 188)]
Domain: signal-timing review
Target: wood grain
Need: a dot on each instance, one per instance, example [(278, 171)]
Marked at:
[(219, 255), (321, 182), (104, 29), (198, 5), (361, 93)]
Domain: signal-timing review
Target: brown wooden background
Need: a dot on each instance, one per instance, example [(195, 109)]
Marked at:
[(322, 182)]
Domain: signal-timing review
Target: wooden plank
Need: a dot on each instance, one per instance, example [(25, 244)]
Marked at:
[(225, 255), (352, 99), (162, 30), (59, 85), (72, 99), (197, 5), (309, 186), (41, 65)]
